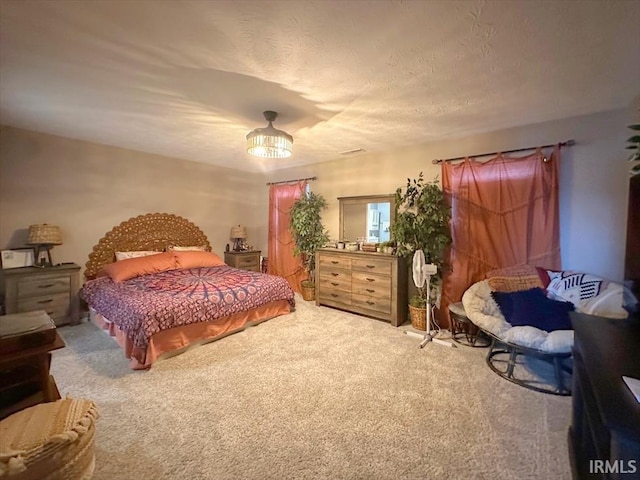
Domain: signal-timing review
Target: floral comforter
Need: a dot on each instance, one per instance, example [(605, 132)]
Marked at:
[(148, 304)]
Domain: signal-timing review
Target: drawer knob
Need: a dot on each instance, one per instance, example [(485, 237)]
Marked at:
[(370, 302), (48, 285), (335, 295), (335, 284), (370, 290), (335, 262), (371, 266), (335, 274), (46, 301), (371, 279)]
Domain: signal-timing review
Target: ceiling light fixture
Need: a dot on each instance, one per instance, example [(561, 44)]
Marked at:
[(269, 142)]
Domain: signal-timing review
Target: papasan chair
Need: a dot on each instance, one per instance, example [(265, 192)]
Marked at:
[(525, 312)]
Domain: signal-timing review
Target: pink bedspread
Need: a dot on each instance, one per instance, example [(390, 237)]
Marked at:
[(149, 304)]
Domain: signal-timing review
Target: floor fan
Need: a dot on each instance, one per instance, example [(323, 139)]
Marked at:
[(422, 272)]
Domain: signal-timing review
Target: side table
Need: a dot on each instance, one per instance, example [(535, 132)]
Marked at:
[(244, 260), (24, 372), (463, 331)]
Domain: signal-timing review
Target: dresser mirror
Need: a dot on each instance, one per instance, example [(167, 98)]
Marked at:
[(367, 218)]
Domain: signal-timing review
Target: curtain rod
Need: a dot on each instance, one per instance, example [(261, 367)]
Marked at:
[(291, 181), (568, 143)]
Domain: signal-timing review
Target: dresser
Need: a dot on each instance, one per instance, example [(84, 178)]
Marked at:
[(249, 260), (604, 438), (372, 284), (53, 289)]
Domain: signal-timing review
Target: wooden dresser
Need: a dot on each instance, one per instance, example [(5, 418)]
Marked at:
[(249, 260), (53, 289), (372, 284)]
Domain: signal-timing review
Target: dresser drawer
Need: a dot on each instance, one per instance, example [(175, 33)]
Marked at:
[(334, 261), (369, 284), (247, 262), (341, 281), (43, 285), (382, 305), (335, 296), (373, 265), (56, 303)]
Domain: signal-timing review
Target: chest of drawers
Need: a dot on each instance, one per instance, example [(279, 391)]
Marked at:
[(372, 284), (243, 260), (54, 290)]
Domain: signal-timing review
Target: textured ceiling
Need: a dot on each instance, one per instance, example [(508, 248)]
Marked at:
[(190, 79)]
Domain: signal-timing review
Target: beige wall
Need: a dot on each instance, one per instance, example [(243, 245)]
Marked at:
[(87, 189), (594, 181)]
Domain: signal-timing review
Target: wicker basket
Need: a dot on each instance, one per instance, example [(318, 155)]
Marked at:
[(418, 317), (308, 291)]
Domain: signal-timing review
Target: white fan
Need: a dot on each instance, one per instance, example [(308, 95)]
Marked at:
[(422, 274)]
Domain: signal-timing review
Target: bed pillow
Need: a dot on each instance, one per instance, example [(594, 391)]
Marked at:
[(590, 294), (140, 253), (194, 248), (197, 259), (533, 308), (134, 267)]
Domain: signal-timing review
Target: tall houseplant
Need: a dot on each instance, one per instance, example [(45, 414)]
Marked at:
[(422, 223), (308, 234)]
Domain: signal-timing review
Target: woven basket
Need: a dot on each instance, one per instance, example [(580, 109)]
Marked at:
[(308, 292), (418, 317)]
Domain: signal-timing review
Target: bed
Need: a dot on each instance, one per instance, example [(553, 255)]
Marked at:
[(187, 298)]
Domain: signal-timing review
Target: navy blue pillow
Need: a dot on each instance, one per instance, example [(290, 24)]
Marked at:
[(532, 307)]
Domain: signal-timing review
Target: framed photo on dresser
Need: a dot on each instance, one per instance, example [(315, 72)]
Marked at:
[(17, 257)]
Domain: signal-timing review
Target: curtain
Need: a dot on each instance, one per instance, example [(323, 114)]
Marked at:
[(504, 213), (281, 260)]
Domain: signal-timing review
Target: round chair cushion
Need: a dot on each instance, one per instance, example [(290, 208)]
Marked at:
[(49, 441), (484, 312)]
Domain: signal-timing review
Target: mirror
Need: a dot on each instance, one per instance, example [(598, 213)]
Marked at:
[(367, 217)]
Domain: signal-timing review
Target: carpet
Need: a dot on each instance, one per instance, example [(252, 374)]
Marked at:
[(316, 394)]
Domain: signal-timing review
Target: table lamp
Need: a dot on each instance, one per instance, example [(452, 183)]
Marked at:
[(238, 235), (44, 237)]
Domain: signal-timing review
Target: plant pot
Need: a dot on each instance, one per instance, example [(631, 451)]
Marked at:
[(418, 317), (308, 290)]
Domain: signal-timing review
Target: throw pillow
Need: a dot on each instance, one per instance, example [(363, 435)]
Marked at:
[(195, 259), (140, 253), (532, 308), (134, 267), (514, 284)]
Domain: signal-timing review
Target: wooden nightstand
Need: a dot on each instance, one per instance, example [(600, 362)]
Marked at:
[(53, 289), (243, 260)]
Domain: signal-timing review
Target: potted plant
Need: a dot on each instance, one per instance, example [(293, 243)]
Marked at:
[(422, 223), (308, 235)]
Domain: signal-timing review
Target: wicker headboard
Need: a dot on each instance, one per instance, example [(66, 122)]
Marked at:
[(153, 231)]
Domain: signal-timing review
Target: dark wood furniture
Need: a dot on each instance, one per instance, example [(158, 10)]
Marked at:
[(52, 289), (372, 284), (605, 426), (24, 375), (249, 260)]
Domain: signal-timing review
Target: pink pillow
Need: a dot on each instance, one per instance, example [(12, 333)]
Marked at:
[(134, 267), (195, 259)]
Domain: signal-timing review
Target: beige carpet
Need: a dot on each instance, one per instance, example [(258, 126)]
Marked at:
[(317, 394)]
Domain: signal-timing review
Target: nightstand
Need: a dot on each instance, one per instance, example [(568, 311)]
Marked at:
[(243, 260), (52, 289)]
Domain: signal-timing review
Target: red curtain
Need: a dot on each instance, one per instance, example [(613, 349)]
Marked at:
[(281, 261), (504, 213)]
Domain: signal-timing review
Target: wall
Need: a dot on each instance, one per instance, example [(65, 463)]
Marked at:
[(87, 189), (593, 183)]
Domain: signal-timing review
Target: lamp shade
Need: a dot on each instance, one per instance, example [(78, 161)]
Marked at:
[(269, 142), (44, 234), (238, 232)]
